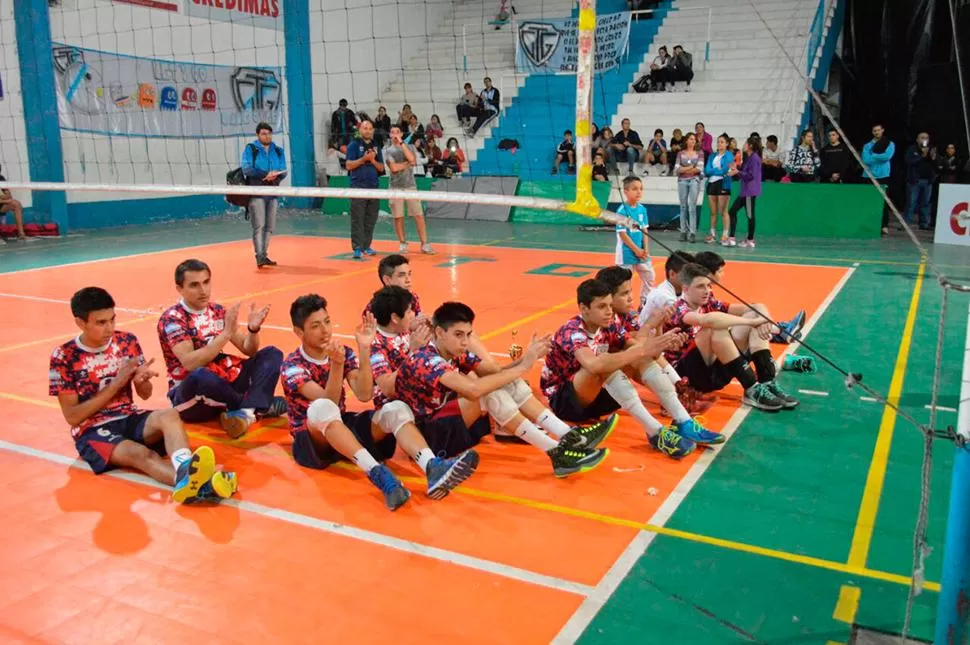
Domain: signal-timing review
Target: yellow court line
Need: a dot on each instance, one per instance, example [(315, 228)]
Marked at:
[(848, 604), (140, 319), (521, 321), (869, 506), (698, 538)]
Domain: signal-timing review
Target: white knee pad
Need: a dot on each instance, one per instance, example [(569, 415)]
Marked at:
[(500, 406), (393, 416), (520, 391), (321, 413)]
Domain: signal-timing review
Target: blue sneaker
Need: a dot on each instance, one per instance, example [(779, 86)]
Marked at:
[(693, 430), (444, 475), (395, 494), (193, 474), (370, 251), (277, 408), (790, 330), (802, 364), (672, 444), (357, 254)]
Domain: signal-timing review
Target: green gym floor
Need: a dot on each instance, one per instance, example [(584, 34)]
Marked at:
[(802, 524)]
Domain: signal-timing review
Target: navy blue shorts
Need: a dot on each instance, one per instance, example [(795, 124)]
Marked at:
[(447, 434), (566, 405), (309, 455), (96, 444)]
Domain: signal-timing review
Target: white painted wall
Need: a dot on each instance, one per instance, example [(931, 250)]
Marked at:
[(13, 140)]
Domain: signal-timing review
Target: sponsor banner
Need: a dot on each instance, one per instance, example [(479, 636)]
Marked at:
[(145, 97), (267, 14), (552, 46), (953, 215)]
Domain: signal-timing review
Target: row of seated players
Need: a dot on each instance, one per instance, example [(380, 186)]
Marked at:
[(435, 388)]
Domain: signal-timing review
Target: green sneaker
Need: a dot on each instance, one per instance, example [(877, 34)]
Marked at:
[(801, 364), (760, 396), (787, 400), (568, 461), (590, 437), (672, 444)]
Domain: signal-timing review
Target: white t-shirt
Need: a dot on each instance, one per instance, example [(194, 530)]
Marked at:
[(663, 295)]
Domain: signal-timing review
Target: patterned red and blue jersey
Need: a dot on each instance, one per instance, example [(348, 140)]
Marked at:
[(178, 323), (298, 369), (419, 379), (561, 362), (415, 306), (681, 309), (80, 370), (387, 353), (630, 322), (714, 304)]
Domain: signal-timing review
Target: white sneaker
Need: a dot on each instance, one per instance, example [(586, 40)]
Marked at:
[(403, 248), (426, 249)]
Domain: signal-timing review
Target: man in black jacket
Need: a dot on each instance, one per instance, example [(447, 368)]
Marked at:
[(835, 160), (920, 174)]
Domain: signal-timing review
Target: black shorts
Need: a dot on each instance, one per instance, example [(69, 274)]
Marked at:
[(309, 455), (96, 444), (701, 376), (565, 404), (716, 189), (447, 434)]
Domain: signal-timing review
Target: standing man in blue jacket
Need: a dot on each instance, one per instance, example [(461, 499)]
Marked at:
[(263, 164), (365, 164), (877, 156)]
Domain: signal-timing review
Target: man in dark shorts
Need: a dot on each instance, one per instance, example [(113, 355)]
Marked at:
[(93, 376), (204, 381), (583, 375), (720, 345), (453, 409)]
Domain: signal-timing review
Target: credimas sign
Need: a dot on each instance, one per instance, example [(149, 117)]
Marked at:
[(257, 13)]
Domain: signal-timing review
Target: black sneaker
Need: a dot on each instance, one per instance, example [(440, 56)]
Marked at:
[(568, 461), (269, 263), (590, 437), (277, 408), (760, 396), (787, 400)]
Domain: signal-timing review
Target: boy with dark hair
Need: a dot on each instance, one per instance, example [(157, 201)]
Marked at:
[(632, 250), (92, 377), (721, 345), (323, 430), (565, 151), (453, 409), (395, 270), (204, 381)]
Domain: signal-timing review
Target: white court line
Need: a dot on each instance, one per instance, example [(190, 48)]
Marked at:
[(595, 601), (371, 537), (813, 392), (941, 408), (868, 399)]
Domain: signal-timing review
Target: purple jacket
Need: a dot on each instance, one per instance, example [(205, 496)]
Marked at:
[(751, 176)]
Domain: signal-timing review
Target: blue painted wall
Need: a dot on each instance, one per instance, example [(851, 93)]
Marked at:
[(546, 106), (825, 64)]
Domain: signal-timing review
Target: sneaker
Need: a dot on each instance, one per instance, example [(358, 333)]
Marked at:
[(693, 430), (426, 249), (672, 444), (357, 254), (269, 263), (504, 437), (222, 485), (683, 237), (790, 330), (370, 251), (692, 238), (590, 437), (236, 422), (395, 494), (277, 408), (262, 261), (787, 400), (568, 461), (403, 248), (193, 474), (693, 401), (801, 364), (710, 239), (760, 396), (444, 475)]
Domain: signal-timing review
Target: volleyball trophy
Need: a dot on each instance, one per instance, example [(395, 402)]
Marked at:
[(515, 350)]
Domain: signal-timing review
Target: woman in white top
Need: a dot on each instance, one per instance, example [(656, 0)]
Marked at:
[(689, 169)]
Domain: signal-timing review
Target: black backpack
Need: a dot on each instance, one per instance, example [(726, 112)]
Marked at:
[(237, 178)]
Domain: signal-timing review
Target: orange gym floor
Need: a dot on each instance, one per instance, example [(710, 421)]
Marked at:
[(305, 556)]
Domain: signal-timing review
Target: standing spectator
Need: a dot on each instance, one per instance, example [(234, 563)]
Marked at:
[(263, 164), (404, 119), (772, 160), (565, 151), (400, 158), (467, 108), (10, 205), (676, 145), (489, 106), (364, 164), (704, 139), (657, 152), (750, 191), (719, 170), (627, 145), (680, 67), (382, 126), (877, 156), (434, 128), (689, 169), (920, 174), (733, 147), (415, 136), (835, 160), (803, 163), (950, 166), (342, 124)]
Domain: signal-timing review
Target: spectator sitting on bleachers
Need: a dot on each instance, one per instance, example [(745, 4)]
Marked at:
[(835, 160), (802, 164), (658, 69), (733, 147), (704, 139), (604, 143), (599, 168), (453, 157), (467, 107), (343, 121), (627, 145), (489, 106), (382, 126), (772, 160), (433, 155), (680, 67), (415, 133), (434, 128), (656, 154), (565, 151)]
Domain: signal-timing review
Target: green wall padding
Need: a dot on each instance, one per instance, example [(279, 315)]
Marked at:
[(556, 190)]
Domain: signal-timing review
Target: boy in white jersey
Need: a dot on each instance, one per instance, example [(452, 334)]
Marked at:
[(632, 250)]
